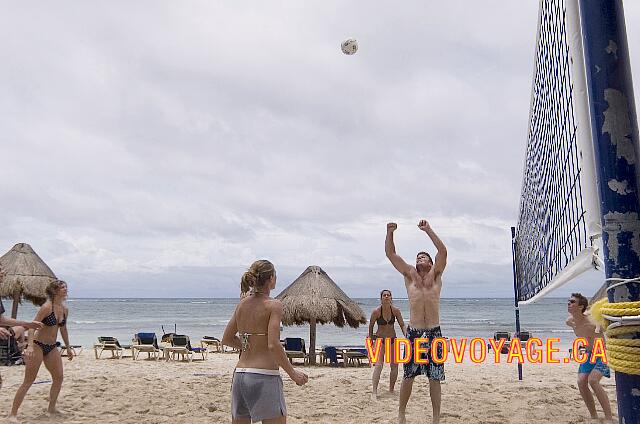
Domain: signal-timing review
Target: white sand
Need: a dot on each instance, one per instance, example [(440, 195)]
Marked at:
[(116, 391)]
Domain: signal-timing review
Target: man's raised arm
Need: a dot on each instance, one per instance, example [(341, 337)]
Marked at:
[(441, 255), (390, 250)]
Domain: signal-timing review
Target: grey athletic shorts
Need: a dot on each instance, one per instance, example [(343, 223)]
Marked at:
[(257, 394)]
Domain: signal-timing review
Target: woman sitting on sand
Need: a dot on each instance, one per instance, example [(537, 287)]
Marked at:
[(42, 346), (254, 329), (385, 316)]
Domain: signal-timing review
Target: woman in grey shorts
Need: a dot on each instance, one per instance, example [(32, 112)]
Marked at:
[(254, 328)]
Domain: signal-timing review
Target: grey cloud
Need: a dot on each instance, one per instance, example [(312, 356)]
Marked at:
[(222, 130)]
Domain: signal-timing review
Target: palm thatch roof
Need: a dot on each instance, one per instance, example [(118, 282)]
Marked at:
[(314, 295), (24, 274), (601, 293)]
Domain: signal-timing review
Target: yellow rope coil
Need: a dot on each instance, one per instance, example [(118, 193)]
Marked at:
[(628, 342), (627, 367), (623, 349), (619, 331), (621, 305), (623, 354), (616, 312)]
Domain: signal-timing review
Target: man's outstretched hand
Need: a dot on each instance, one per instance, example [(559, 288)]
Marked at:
[(391, 227), (424, 225)]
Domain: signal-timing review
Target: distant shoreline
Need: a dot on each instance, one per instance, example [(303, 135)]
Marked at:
[(235, 298)]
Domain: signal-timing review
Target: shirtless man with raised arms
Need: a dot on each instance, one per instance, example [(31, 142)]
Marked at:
[(423, 283)]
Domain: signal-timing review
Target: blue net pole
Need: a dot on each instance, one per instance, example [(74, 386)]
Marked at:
[(614, 129), (516, 295)]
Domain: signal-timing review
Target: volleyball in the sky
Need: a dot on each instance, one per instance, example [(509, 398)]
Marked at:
[(349, 46)]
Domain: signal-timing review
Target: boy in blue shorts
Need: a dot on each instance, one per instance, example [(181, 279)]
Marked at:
[(589, 374)]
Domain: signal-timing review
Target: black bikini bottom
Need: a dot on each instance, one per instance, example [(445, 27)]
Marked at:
[(46, 348)]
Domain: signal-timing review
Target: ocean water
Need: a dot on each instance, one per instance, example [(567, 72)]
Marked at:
[(122, 318)]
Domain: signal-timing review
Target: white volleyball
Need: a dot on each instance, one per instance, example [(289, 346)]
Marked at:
[(349, 46)]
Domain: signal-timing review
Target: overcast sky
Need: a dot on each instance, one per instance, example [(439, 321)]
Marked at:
[(156, 149)]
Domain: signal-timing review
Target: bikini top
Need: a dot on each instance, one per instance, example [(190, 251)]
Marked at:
[(51, 320), (245, 339), (382, 321)]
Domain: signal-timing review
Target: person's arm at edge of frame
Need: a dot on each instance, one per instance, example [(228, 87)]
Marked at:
[(10, 322)]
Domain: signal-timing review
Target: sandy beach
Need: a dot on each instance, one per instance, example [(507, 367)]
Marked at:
[(126, 391)]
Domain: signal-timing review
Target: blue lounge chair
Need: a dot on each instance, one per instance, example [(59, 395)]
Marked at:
[(331, 353), (145, 342), (294, 348), (181, 345)]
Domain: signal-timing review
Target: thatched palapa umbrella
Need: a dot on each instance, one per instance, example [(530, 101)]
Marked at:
[(314, 298), (601, 293), (24, 276)]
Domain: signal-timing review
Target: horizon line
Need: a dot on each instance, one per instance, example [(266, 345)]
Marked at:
[(354, 297)]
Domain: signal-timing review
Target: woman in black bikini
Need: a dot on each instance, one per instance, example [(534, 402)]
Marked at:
[(42, 346), (385, 316)]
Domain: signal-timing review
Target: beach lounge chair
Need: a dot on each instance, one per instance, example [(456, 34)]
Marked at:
[(502, 335), (145, 342), (110, 344), (194, 350), (355, 356), (76, 349), (10, 352), (4, 351), (294, 348), (583, 350), (524, 336), (181, 345), (331, 354), (210, 342), (228, 349)]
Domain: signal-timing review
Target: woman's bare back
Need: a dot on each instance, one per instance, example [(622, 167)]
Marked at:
[(252, 319)]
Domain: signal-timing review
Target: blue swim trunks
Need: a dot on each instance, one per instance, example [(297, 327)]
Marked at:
[(598, 365), (431, 370)]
